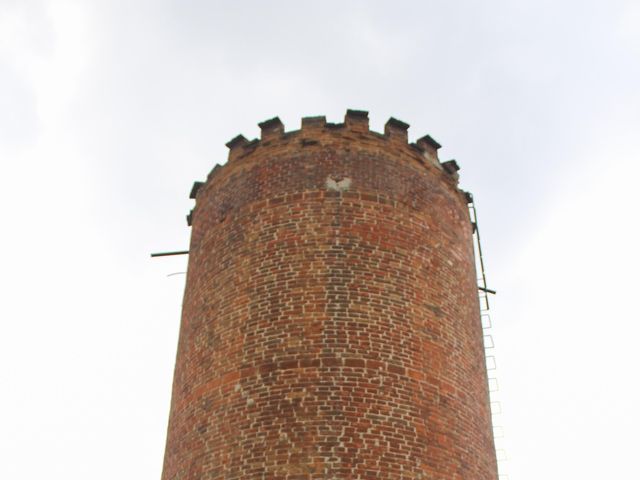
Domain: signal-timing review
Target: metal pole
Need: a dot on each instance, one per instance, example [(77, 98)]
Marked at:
[(166, 254)]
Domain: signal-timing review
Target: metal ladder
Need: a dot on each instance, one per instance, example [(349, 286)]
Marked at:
[(485, 319)]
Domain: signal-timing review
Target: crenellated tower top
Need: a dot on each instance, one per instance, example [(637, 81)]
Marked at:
[(317, 132)]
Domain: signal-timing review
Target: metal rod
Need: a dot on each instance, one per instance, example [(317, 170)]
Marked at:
[(488, 290), (484, 278), (166, 254)]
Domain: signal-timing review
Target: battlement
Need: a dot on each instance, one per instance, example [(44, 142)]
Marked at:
[(355, 121), (354, 131)]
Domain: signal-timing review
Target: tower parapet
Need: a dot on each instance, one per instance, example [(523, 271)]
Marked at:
[(315, 131)]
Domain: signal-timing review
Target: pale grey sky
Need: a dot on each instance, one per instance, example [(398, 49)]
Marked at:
[(110, 109)]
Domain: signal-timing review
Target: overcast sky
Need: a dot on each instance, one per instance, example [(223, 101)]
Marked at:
[(109, 110)]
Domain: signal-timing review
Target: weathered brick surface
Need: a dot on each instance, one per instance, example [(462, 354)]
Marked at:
[(330, 326)]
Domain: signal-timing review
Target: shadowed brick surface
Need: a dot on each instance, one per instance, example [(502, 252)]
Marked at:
[(330, 325)]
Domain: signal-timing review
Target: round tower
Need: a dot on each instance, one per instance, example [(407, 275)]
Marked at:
[(330, 326)]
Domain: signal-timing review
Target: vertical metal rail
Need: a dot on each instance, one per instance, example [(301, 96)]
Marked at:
[(476, 231)]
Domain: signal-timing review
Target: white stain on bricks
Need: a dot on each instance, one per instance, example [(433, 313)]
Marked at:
[(338, 184)]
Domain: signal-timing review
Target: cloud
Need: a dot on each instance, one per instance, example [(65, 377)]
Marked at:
[(568, 321), (110, 110)]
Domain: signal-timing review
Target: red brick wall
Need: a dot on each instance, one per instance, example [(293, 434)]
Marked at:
[(330, 326)]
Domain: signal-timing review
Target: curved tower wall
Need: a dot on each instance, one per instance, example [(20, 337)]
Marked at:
[(330, 325)]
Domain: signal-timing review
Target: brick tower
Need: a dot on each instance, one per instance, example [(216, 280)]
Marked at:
[(330, 325)]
